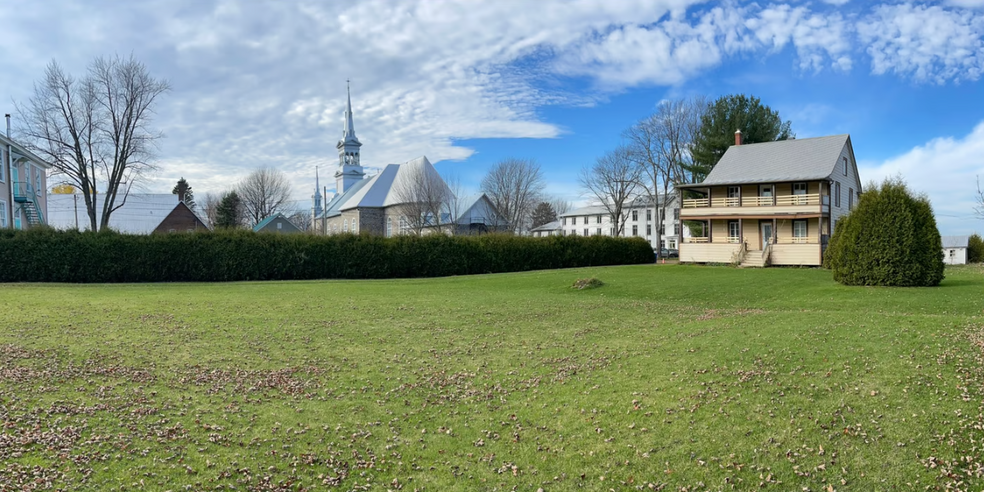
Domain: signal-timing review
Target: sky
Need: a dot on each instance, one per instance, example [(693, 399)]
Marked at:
[(467, 83)]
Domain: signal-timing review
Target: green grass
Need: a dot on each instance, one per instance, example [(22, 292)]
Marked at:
[(665, 378)]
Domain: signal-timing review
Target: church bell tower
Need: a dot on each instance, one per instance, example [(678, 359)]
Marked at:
[(349, 169)]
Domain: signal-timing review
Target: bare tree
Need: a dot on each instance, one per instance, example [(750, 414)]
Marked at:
[(209, 204), (661, 145), (95, 130), (979, 207), (264, 192), (454, 207), (423, 198), (561, 206), (613, 180), (514, 186)]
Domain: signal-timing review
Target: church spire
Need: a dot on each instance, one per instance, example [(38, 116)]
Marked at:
[(349, 168), (348, 133)]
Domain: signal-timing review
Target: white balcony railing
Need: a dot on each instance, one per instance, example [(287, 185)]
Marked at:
[(756, 201)]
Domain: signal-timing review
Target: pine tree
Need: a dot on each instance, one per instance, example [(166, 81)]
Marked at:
[(230, 211), (727, 114), (544, 213), (183, 188)]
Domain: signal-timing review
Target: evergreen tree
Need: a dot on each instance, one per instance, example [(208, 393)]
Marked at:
[(230, 211), (727, 114), (975, 249), (183, 188), (544, 213), (889, 239)]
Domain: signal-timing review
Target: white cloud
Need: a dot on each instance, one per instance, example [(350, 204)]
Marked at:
[(261, 82), (945, 169), (929, 43)]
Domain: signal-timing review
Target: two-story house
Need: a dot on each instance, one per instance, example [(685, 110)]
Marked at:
[(23, 186), (770, 203)]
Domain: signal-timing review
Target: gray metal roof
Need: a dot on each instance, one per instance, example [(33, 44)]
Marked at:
[(549, 226), (802, 159), (955, 241), (141, 213)]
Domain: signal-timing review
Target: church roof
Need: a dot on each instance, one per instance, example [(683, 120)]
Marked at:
[(382, 190)]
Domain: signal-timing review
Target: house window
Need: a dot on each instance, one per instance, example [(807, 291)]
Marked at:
[(799, 188), (598, 232), (662, 229), (845, 166), (3, 215), (635, 230), (676, 229), (765, 195), (649, 230), (279, 226), (573, 220), (586, 230), (734, 196), (3, 160), (635, 216), (649, 215), (597, 220), (563, 221), (850, 198), (733, 231), (799, 231), (837, 194), (38, 185), (676, 214)]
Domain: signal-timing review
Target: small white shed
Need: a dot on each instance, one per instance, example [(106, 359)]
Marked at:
[(955, 249)]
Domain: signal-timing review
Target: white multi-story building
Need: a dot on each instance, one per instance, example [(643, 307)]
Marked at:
[(642, 219)]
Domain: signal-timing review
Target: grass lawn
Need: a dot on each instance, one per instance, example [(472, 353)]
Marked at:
[(668, 377)]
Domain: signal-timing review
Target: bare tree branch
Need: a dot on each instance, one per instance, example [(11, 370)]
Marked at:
[(979, 207), (514, 186), (94, 131), (662, 146), (263, 193), (423, 197), (613, 180)]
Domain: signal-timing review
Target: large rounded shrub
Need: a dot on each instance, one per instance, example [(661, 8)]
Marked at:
[(890, 239)]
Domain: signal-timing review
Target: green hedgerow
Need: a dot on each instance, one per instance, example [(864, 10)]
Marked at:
[(889, 239)]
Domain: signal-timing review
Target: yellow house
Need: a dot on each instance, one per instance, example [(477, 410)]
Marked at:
[(770, 203)]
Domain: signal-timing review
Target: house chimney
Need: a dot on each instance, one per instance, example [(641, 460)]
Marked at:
[(737, 137)]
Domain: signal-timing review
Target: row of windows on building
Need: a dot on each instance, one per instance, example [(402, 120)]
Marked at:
[(799, 229), (635, 230), (635, 217)]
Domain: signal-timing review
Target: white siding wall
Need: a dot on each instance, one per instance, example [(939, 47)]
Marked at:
[(606, 224), (955, 256), (850, 181)]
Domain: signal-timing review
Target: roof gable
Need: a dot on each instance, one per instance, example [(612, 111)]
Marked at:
[(804, 159)]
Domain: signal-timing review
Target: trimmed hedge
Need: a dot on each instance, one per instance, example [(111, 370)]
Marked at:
[(889, 239), (45, 255)]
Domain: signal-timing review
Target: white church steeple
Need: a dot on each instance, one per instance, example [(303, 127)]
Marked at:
[(349, 169)]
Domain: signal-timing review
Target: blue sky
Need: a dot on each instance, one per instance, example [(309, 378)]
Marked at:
[(262, 83)]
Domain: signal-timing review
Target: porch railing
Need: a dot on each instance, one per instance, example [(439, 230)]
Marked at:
[(756, 201)]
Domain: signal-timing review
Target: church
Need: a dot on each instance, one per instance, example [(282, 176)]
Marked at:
[(387, 203)]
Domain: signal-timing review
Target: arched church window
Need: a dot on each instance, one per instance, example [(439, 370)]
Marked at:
[(346, 225), (389, 227)]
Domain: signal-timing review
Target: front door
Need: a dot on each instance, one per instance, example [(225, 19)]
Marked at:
[(766, 234)]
